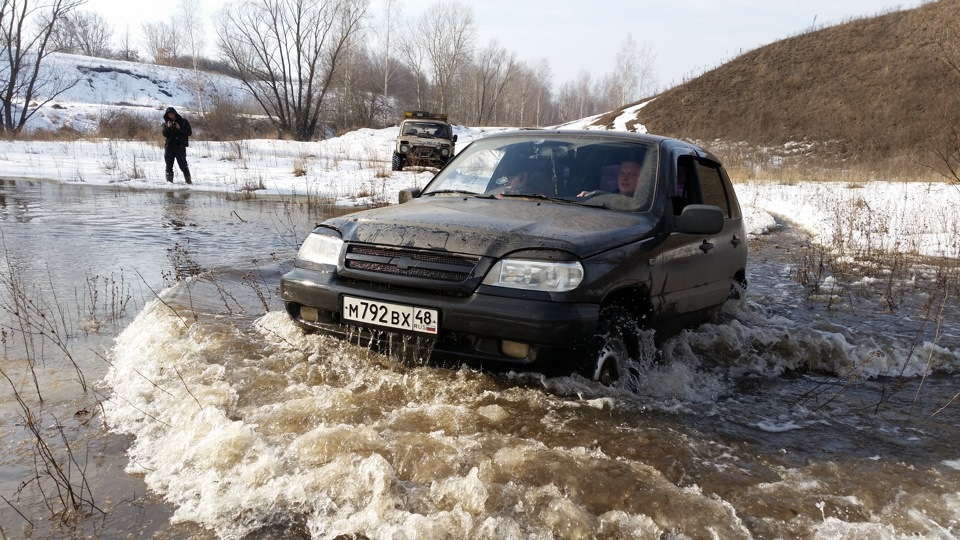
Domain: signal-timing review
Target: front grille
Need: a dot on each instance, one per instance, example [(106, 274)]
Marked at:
[(424, 152), (418, 264)]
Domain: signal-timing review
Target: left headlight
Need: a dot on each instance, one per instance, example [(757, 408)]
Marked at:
[(535, 275), (321, 249)]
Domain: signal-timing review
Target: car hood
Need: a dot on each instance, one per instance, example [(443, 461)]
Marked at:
[(494, 227)]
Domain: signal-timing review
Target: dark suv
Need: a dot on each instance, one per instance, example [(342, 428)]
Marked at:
[(540, 250)]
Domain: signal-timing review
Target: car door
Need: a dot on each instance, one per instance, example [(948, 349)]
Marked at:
[(697, 269)]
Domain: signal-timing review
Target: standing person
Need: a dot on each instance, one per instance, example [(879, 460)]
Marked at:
[(176, 131)]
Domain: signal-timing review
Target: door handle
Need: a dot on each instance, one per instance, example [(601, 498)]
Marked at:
[(706, 246), (736, 241)]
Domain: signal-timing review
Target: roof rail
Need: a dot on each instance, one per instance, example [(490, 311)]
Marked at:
[(425, 115)]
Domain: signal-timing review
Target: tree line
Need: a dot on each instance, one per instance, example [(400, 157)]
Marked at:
[(317, 67)]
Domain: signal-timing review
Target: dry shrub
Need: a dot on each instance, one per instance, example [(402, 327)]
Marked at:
[(64, 133), (798, 163), (118, 124), (229, 120)]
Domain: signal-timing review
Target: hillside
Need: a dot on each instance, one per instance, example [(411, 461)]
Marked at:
[(866, 91), (103, 86)]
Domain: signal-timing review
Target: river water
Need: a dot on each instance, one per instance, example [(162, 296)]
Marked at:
[(193, 408)]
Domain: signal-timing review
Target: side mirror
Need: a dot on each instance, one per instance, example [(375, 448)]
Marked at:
[(454, 139), (699, 219), (409, 193)]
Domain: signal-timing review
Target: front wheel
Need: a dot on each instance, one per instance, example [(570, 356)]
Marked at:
[(612, 346), (398, 162)]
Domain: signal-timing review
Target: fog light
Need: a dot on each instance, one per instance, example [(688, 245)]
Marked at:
[(514, 349), (309, 314)]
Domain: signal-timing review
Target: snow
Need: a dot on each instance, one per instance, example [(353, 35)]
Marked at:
[(354, 169)]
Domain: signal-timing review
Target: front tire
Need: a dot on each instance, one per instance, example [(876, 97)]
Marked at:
[(612, 347), (398, 162)]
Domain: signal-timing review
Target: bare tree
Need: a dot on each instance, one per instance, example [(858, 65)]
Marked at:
[(387, 43), (27, 27), (493, 70), (416, 60), (947, 149), (287, 54), (189, 24), (632, 77), (577, 98), (445, 34), (127, 51), (545, 108), (525, 96), (358, 101), (83, 32), (162, 41)]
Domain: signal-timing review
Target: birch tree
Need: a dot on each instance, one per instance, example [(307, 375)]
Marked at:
[(190, 27), (444, 33), (632, 77)]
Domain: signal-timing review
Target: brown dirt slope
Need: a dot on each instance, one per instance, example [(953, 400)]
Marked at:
[(871, 88)]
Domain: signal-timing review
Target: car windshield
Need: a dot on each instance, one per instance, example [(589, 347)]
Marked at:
[(590, 170), (425, 129)]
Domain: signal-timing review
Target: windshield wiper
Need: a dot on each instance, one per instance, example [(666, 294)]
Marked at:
[(538, 196), (451, 192)]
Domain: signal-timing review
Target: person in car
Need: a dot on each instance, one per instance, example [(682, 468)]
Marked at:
[(517, 179), (628, 176)]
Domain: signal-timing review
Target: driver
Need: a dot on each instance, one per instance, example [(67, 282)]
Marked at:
[(628, 176)]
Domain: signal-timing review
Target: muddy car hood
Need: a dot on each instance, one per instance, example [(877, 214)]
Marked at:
[(492, 227)]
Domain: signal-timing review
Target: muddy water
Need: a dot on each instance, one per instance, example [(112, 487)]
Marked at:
[(787, 417)]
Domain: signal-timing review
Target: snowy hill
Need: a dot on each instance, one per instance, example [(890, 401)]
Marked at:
[(104, 85)]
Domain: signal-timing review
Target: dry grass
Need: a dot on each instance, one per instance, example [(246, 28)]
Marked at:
[(794, 163)]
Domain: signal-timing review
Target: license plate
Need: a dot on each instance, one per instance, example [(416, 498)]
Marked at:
[(412, 318)]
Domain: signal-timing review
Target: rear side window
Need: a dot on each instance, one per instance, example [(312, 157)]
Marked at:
[(712, 186)]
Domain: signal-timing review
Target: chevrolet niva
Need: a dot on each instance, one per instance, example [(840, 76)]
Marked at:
[(533, 250)]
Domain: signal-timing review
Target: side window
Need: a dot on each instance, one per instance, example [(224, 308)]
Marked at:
[(712, 187), (684, 189)]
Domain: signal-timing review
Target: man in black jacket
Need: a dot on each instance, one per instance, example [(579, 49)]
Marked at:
[(176, 131)]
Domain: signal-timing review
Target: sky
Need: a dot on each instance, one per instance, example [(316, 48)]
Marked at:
[(686, 37)]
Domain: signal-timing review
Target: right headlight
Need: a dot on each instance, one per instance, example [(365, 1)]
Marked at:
[(535, 275), (320, 249)]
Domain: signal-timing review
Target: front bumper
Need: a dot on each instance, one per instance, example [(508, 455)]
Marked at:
[(426, 155), (472, 328)]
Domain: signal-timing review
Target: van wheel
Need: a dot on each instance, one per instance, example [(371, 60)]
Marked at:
[(611, 348)]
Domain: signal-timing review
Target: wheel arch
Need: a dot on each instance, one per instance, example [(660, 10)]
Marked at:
[(635, 300)]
